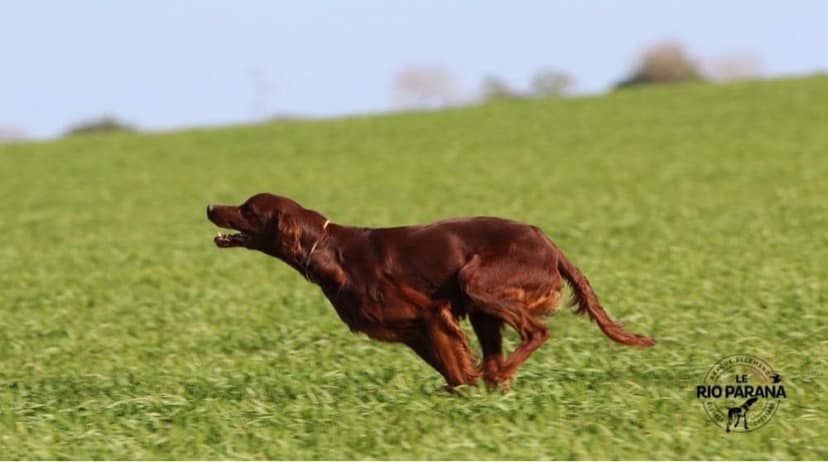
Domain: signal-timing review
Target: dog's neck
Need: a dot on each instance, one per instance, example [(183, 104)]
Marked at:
[(316, 256), (307, 259)]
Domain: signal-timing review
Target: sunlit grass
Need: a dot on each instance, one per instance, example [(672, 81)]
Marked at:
[(698, 213)]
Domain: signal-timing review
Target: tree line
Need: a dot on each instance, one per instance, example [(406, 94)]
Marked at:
[(425, 86)]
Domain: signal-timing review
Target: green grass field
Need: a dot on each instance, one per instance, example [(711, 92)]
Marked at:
[(700, 214)]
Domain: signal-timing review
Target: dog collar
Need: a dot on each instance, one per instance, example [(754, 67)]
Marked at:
[(313, 248)]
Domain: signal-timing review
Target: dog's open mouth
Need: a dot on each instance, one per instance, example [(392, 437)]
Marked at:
[(231, 240)]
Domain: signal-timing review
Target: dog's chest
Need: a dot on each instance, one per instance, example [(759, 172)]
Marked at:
[(376, 313)]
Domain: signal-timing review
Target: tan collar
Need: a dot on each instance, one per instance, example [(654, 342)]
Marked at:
[(313, 248)]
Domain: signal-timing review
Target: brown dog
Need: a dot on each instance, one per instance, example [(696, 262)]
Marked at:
[(412, 284)]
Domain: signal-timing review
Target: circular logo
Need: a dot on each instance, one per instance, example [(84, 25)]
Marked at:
[(741, 393)]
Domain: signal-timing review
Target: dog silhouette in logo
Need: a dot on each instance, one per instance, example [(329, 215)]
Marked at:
[(739, 413)]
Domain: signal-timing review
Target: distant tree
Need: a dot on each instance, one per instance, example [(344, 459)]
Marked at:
[(102, 125), (663, 63), (494, 88), (10, 134), (287, 117), (732, 67), (551, 83), (423, 87)]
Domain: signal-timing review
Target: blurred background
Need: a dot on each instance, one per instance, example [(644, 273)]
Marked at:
[(80, 66), (696, 207)]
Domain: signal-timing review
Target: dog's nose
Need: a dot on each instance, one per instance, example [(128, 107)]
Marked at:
[(209, 209)]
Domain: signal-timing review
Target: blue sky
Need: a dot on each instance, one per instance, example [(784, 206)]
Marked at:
[(169, 64)]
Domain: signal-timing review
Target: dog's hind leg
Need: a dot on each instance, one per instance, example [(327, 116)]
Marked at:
[(487, 292), (533, 334), (488, 331)]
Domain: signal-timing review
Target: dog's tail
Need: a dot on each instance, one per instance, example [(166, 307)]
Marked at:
[(587, 301)]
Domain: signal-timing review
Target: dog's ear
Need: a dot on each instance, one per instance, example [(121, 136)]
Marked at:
[(289, 233)]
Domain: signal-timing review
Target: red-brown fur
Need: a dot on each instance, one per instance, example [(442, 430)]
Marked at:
[(413, 284)]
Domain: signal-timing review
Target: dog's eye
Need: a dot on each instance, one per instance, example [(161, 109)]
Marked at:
[(247, 212)]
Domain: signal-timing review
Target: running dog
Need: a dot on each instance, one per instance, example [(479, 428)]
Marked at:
[(413, 284)]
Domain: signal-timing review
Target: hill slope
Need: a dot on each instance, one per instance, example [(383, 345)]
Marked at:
[(698, 212)]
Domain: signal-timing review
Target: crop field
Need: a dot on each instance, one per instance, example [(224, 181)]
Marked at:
[(699, 213)]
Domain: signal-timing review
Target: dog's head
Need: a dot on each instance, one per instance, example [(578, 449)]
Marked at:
[(265, 222)]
